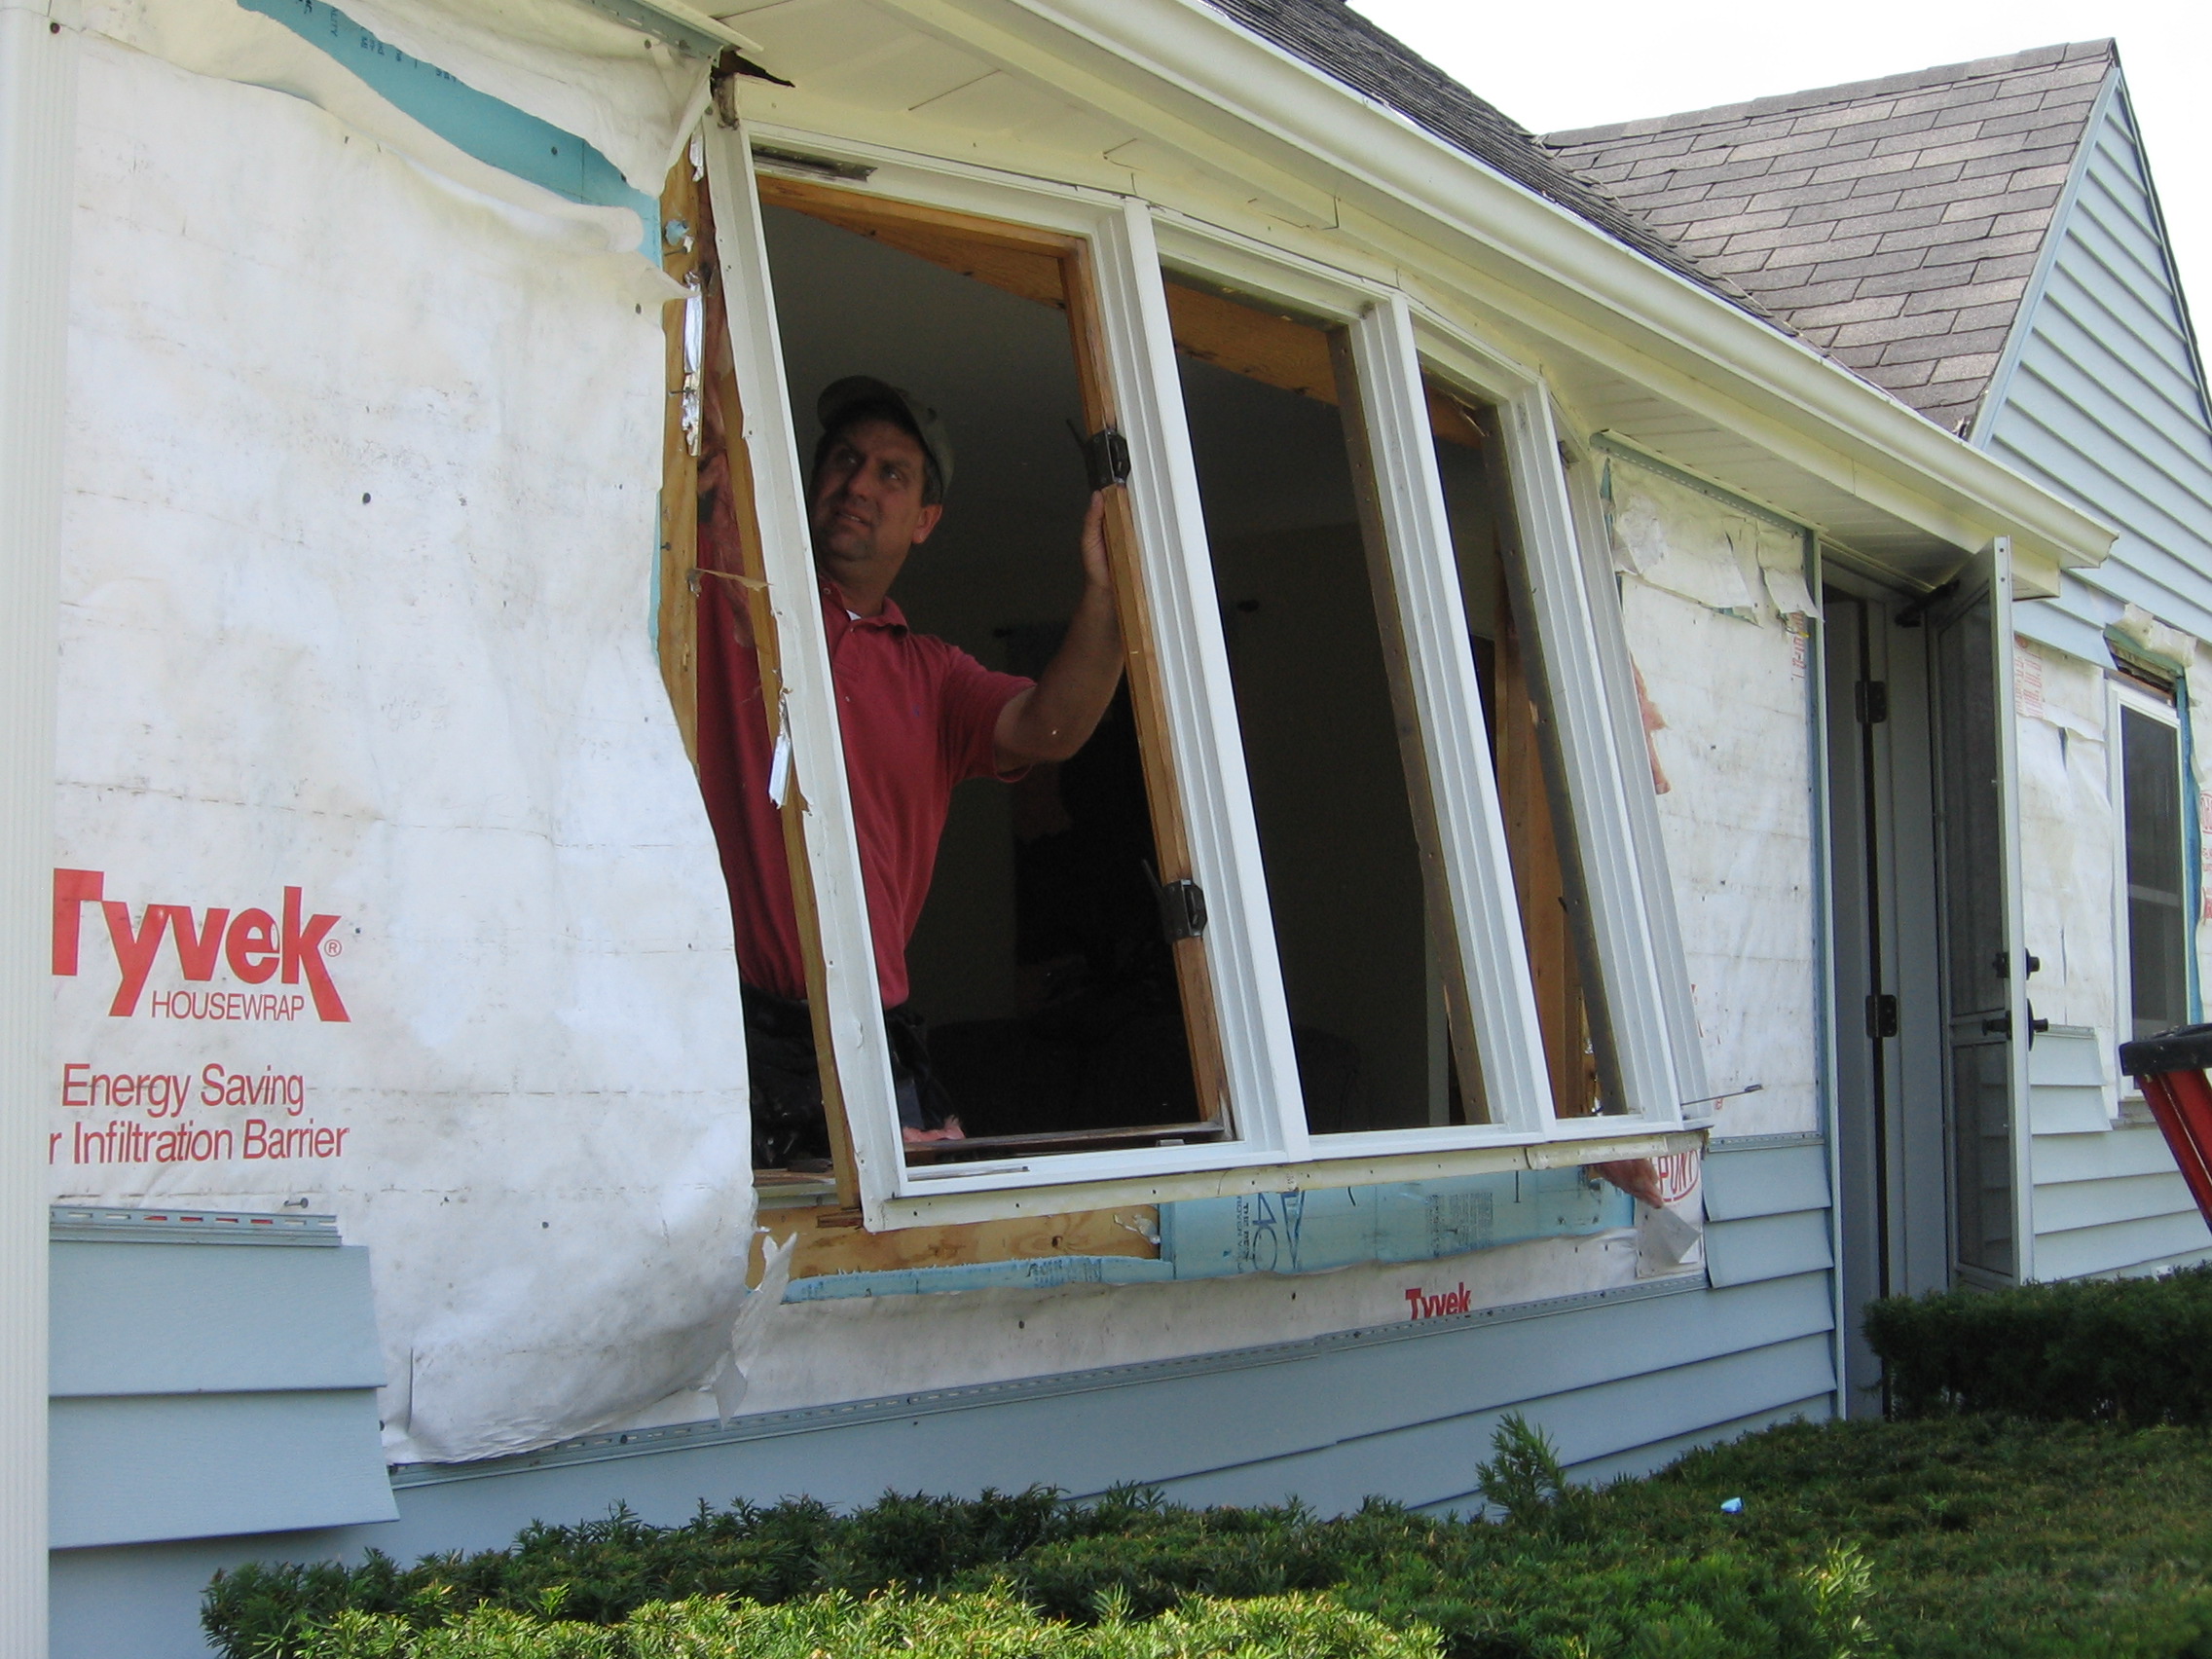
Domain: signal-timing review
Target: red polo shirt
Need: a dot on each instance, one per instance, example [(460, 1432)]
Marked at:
[(918, 715)]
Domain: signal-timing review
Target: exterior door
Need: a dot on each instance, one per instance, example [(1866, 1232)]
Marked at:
[(1983, 968), (1890, 1053)]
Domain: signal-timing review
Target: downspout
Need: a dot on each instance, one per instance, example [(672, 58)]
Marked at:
[(38, 85)]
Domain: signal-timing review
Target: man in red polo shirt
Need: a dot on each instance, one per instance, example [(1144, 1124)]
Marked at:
[(918, 715)]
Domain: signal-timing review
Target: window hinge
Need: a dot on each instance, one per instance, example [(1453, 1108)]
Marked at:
[(1182, 906), (1881, 1015), (1873, 700), (1105, 455)]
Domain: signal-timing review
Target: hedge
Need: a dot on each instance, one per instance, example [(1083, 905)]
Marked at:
[(2131, 1351), (992, 1625), (1645, 1569)]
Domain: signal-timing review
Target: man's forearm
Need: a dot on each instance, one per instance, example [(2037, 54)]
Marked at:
[(1055, 718)]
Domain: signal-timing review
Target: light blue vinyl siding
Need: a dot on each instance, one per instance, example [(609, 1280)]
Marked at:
[(141, 1318), (151, 1466), (1622, 1382), (2104, 403), (2108, 1199), (1625, 1380), (203, 1388)]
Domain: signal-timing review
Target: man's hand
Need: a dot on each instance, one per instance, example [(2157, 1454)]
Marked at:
[(1056, 717), (1098, 572)]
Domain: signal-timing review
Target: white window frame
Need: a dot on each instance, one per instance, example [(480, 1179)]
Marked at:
[(1272, 1149), (2119, 696)]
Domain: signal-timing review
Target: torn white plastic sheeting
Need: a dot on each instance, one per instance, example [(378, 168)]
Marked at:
[(1686, 542), (2070, 840), (366, 771), (728, 1381), (1731, 690), (217, 38), (632, 97)]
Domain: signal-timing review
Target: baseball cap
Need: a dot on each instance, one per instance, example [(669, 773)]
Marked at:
[(840, 398)]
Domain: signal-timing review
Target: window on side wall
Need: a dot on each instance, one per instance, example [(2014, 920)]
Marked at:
[(2154, 913), (1300, 898)]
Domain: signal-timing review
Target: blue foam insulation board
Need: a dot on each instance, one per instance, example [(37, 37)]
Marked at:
[(1292, 1233)]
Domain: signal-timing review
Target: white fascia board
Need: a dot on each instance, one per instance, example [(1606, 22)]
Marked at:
[(1553, 266)]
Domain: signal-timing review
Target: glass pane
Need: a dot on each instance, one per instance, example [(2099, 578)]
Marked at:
[(1982, 1154), (2158, 921), (1326, 736)]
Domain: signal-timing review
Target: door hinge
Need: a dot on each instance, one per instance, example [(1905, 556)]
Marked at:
[(1873, 699), (1182, 906), (1105, 455), (1882, 1015)]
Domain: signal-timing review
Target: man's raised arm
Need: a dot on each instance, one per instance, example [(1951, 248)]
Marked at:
[(1056, 717)]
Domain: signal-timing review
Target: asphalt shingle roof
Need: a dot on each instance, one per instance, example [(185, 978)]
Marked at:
[(1894, 224), (1338, 41)]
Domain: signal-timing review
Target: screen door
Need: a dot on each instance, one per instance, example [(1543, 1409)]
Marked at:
[(1987, 1019)]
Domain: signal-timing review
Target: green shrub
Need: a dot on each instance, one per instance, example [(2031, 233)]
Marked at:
[(2118, 1350), (603, 1569), (1946, 1538), (991, 1625)]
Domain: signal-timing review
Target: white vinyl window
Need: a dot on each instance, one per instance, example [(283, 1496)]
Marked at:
[(1303, 740), (2151, 897)]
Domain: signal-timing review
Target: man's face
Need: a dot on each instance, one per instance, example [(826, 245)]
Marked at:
[(866, 513)]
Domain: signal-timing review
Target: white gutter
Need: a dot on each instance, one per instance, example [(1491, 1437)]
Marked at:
[(1715, 357), (38, 85)]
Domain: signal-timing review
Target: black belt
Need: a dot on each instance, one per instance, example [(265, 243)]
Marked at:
[(788, 1118)]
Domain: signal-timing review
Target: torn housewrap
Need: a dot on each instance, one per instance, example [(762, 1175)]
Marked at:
[(632, 97), (1688, 544), (222, 40), (355, 689), (749, 1332)]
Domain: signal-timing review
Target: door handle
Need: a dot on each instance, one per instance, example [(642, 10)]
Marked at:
[(2000, 1025)]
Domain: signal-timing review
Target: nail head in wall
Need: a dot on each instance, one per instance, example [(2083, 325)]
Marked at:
[(364, 497)]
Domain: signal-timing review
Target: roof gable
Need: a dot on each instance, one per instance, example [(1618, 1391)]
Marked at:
[(1895, 224), (2102, 398)]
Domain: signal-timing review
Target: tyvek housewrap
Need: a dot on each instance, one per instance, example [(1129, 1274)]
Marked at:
[(1726, 671), (360, 522)]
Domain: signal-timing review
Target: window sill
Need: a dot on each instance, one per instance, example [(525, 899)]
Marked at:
[(1371, 1169)]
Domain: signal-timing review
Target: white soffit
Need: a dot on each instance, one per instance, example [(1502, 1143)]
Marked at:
[(851, 58)]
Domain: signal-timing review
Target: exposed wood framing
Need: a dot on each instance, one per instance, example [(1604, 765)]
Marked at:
[(1539, 880), (825, 1246), (1016, 258), (1246, 340), (682, 202)]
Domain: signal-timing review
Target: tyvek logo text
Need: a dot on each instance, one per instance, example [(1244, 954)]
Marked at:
[(256, 946)]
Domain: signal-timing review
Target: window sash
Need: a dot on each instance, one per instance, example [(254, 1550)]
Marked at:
[(2124, 700), (1136, 354)]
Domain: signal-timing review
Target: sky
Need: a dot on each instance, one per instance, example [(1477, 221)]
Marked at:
[(1557, 66)]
